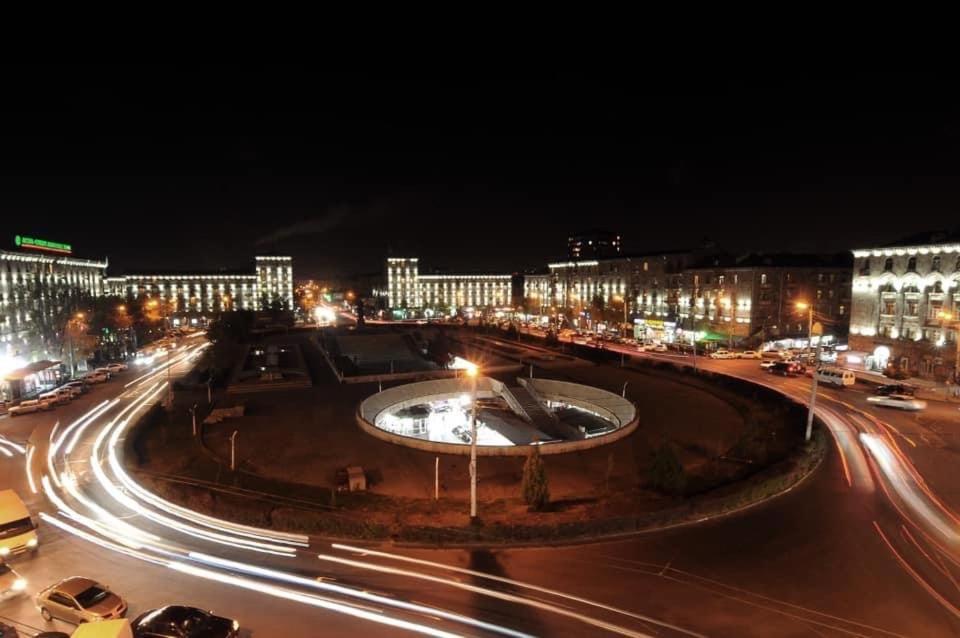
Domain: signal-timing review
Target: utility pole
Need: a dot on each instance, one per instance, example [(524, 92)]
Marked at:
[(473, 373), (816, 360), (233, 451)]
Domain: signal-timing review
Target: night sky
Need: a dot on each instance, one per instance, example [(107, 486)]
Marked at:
[(470, 169)]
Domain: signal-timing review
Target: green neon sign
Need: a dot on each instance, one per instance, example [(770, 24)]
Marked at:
[(42, 244)]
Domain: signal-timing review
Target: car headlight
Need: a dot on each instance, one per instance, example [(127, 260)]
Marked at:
[(4, 551), (19, 584), (236, 625), (32, 542)]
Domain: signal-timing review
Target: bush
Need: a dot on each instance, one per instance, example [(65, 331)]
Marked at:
[(666, 471), (535, 488)]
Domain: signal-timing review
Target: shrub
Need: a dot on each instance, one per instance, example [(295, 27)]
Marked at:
[(536, 490), (666, 471)]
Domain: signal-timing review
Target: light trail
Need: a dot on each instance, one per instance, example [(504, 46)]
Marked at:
[(308, 599), (349, 591), (28, 465), (509, 581), (492, 593)]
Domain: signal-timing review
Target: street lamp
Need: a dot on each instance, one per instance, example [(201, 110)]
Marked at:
[(804, 306), (472, 372), (955, 323)]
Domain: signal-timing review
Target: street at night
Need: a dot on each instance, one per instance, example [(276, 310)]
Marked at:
[(286, 353)]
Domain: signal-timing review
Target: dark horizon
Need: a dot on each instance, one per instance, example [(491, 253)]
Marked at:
[(200, 168)]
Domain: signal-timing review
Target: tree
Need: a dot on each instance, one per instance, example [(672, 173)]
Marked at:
[(535, 488), (666, 472), (439, 349)]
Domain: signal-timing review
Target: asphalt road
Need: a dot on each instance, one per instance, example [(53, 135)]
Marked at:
[(857, 549)]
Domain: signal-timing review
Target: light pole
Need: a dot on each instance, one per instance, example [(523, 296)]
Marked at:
[(472, 372), (233, 451), (801, 306)]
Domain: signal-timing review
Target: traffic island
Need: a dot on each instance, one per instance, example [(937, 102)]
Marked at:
[(701, 449)]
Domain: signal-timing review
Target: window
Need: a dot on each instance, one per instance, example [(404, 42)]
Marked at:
[(720, 281), (935, 265), (912, 264), (911, 310), (833, 277), (819, 293), (789, 277), (61, 599), (646, 266), (889, 307), (842, 310), (696, 280), (888, 265), (763, 279), (820, 278), (736, 279)]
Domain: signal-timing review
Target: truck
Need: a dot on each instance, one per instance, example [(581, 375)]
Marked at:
[(17, 530)]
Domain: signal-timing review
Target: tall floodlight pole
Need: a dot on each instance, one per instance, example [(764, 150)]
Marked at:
[(801, 306), (472, 372)]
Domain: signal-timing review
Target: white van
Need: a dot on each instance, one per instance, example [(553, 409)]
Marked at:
[(836, 376), (17, 531)]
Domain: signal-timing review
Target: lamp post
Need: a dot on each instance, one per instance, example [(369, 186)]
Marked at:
[(472, 372), (802, 306)]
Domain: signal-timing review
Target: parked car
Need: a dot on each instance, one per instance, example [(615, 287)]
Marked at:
[(78, 600), (104, 370), (178, 621), (723, 354), (894, 388), (749, 354), (56, 397), (899, 401), (11, 583), (29, 406), (767, 364), (116, 367), (95, 377), (79, 386), (658, 347)]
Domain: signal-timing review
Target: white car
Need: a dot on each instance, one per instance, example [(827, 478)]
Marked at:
[(116, 367), (767, 364), (723, 354), (95, 377), (27, 407), (749, 354), (899, 401)]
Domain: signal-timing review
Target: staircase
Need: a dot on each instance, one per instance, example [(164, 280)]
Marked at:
[(537, 416)]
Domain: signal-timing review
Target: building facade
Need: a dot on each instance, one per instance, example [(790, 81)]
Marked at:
[(669, 296), (755, 298), (906, 300), (195, 298), (594, 244), (410, 293), (35, 292)]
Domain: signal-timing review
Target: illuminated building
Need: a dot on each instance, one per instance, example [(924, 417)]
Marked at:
[(753, 297), (194, 298), (593, 244), (906, 300), (409, 292), (667, 295), (36, 289)]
